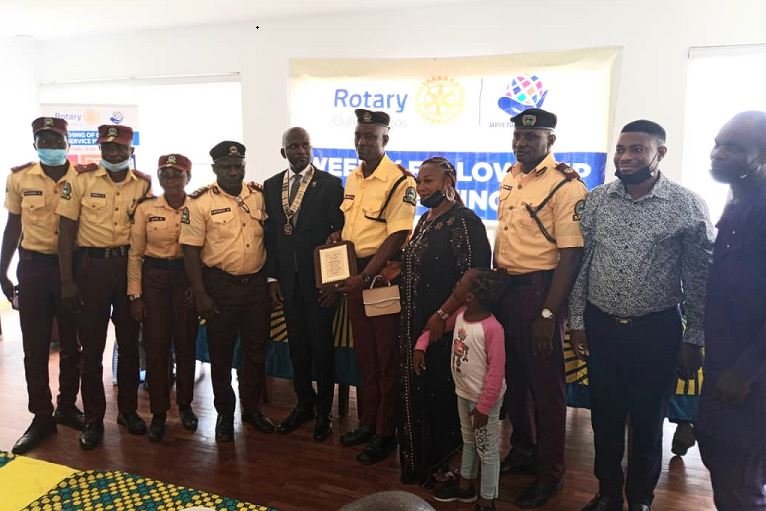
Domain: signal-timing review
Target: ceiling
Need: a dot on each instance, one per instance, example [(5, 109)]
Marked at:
[(52, 19)]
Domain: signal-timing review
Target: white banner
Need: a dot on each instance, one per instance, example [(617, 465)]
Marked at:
[(459, 108), (84, 121)]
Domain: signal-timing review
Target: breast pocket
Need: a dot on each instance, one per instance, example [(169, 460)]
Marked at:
[(221, 217), (505, 194), (33, 203), (94, 203), (346, 205), (157, 224), (373, 212)]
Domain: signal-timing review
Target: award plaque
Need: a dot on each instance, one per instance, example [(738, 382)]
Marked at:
[(334, 263)]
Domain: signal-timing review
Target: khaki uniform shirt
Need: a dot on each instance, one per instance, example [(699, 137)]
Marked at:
[(363, 200), (154, 233), (103, 207), (520, 246), (29, 192), (229, 229)]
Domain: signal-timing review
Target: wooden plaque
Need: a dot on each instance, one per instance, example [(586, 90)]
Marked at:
[(334, 263)]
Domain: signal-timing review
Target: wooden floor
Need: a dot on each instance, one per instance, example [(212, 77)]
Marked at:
[(293, 472)]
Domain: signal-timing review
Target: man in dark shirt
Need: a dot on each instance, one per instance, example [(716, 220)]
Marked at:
[(648, 243), (732, 415)]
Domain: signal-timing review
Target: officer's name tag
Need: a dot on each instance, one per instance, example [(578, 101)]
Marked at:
[(32, 193), (507, 187), (98, 195), (220, 210), (156, 218)]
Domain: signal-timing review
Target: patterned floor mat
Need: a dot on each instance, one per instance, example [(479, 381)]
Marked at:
[(93, 490)]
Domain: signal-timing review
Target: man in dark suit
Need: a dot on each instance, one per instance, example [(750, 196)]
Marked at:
[(303, 207)]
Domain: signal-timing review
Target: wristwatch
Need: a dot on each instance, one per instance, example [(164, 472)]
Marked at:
[(547, 314), (366, 278), (133, 297), (443, 315)]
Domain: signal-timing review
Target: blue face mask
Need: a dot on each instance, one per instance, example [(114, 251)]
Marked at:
[(52, 157), (115, 167)]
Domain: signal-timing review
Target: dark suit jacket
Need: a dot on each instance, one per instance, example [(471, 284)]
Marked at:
[(291, 257)]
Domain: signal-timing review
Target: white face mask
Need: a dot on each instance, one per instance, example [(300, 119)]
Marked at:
[(115, 167)]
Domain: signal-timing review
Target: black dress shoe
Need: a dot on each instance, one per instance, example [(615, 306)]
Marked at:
[(41, 428), (683, 439), (359, 436), (517, 463), (377, 450), (603, 503), (323, 428), (297, 417), (537, 494), (92, 435), (188, 418), (135, 424), (259, 421), (70, 416), (639, 507), (157, 427), (224, 428)]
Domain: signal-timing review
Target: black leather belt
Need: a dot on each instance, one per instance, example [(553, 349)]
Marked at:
[(38, 257), (106, 252), (633, 320), (165, 264), (528, 279), (241, 280)]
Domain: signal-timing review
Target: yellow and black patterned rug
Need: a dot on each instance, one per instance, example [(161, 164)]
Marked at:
[(34, 485)]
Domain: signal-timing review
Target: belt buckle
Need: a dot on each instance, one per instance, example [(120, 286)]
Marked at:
[(107, 252), (623, 321)]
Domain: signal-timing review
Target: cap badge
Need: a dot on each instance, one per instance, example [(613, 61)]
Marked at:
[(233, 151), (112, 132), (48, 121), (172, 158), (367, 117), (529, 120)]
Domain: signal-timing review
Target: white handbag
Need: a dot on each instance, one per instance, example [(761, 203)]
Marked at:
[(381, 301)]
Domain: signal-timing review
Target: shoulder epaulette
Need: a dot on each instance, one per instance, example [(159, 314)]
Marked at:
[(90, 167), (22, 167), (568, 171), (199, 192), (254, 187), (141, 175), (405, 171), (145, 198)]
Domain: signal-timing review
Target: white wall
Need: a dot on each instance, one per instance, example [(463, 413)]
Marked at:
[(18, 101), (656, 35)]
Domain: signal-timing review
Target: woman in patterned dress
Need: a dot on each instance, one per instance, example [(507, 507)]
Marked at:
[(447, 240)]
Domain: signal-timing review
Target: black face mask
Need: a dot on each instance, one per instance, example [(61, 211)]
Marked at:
[(433, 200), (637, 177)]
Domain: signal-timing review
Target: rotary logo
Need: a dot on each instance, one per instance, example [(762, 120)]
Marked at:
[(440, 100), (117, 117)]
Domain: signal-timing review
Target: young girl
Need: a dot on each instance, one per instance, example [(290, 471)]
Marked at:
[(478, 367)]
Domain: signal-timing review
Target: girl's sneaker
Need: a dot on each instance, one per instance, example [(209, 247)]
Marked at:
[(453, 492)]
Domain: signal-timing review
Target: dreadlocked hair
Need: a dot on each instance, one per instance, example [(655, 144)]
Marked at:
[(488, 286), (449, 170)]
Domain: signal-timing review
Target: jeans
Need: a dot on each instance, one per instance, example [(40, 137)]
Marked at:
[(480, 445)]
